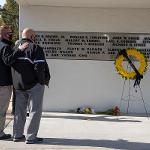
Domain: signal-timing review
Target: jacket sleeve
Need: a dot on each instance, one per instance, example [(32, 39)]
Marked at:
[(9, 55), (39, 64)]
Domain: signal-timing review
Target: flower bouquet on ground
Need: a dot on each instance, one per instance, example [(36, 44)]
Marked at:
[(113, 111)]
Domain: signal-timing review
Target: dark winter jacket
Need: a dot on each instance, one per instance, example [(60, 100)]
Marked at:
[(5, 70), (29, 69)]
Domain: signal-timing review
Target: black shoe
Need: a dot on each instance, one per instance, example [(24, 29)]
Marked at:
[(35, 141), (5, 136), (19, 139)]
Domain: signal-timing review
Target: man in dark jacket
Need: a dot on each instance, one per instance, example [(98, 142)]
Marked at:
[(5, 75), (5, 79), (28, 73)]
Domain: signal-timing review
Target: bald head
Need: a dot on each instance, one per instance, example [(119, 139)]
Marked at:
[(28, 33), (5, 32)]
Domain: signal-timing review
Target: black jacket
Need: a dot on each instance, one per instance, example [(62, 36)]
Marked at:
[(5, 70), (28, 69)]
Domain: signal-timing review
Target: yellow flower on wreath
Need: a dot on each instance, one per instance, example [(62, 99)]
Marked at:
[(138, 56)]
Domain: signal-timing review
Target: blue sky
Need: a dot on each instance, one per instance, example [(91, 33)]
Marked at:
[(2, 2)]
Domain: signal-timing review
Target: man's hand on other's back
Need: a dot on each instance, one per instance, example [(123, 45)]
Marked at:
[(23, 46)]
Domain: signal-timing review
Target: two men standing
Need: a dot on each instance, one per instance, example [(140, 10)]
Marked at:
[(29, 73)]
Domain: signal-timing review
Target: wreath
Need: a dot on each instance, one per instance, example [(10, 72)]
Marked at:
[(138, 56)]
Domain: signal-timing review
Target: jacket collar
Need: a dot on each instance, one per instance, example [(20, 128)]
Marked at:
[(7, 41)]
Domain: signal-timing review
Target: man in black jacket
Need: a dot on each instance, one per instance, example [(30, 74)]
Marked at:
[(28, 74), (5, 75), (5, 79)]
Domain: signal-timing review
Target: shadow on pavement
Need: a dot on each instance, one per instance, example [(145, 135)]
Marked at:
[(95, 118), (119, 144)]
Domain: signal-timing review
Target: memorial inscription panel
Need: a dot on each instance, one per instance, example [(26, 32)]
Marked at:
[(91, 45)]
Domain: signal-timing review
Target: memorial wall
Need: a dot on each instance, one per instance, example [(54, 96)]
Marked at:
[(91, 45)]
